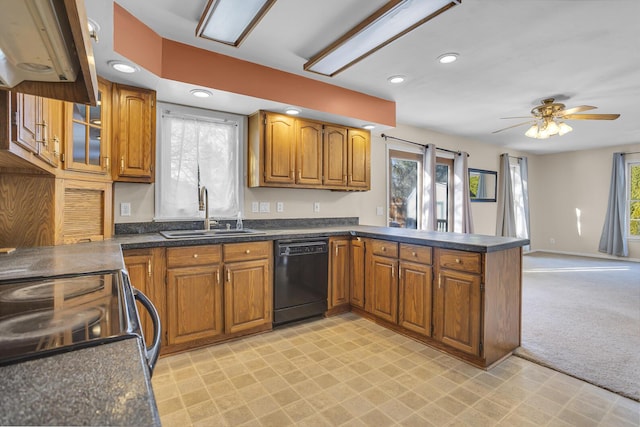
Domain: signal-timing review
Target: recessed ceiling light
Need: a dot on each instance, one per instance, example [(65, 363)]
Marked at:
[(292, 111), (448, 58), (200, 93), (368, 126), (123, 67), (396, 79)]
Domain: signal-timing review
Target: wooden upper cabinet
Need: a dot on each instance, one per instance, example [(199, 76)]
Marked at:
[(279, 149), (335, 156), (359, 159), (134, 134), (308, 152), (27, 120), (301, 153), (88, 139)]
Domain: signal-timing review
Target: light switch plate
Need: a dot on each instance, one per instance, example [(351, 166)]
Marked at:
[(316, 207), (279, 207), (255, 207), (125, 209), (265, 207)]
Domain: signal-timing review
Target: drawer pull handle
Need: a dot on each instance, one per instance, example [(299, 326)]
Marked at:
[(247, 251), (122, 164), (228, 276), (218, 276), (457, 260), (439, 281), (195, 255), (149, 267)]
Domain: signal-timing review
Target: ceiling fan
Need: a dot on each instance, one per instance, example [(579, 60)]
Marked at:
[(548, 119)]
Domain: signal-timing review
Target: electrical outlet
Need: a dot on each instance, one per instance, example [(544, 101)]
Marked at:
[(125, 209), (255, 207), (316, 207), (265, 207), (379, 210), (279, 207)]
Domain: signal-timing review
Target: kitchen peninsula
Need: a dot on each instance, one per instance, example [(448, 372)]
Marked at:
[(478, 276)]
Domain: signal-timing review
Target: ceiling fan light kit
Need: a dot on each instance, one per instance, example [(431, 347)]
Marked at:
[(548, 119)]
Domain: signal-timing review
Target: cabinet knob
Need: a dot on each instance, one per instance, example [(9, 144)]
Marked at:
[(247, 251), (413, 254), (457, 260), (195, 255), (384, 249)]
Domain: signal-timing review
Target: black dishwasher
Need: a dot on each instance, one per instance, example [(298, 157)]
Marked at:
[(301, 279)]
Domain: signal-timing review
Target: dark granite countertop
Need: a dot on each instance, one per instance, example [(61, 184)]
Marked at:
[(101, 385), (465, 242)]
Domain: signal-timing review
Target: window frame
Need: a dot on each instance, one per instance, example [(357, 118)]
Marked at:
[(629, 164), (415, 153), (205, 114)]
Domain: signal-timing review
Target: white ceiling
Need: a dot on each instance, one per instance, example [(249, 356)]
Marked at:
[(512, 55)]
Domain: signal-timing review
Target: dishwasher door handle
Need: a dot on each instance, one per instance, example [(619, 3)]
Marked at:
[(152, 351)]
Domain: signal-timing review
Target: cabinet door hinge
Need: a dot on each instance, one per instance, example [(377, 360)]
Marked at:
[(14, 119), (481, 287), (62, 157)]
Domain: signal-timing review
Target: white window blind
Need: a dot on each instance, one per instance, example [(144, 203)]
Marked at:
[(204, 149)]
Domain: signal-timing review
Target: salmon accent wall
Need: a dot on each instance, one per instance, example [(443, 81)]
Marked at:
[(177, 61)]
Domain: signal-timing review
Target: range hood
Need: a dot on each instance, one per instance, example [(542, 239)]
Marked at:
[(44, 49)]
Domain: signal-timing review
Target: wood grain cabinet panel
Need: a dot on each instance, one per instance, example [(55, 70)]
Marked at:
[(134, 130), (458, 310), (247, 295), (414, 302), (357, 273), (382, 288), (146, 273), (194, 304), (27, 120), (308, 152), (339, 276), (359, 159), (279, 149), (335, 156)]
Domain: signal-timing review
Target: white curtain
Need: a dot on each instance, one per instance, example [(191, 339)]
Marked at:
[(429, 214), (195, 150), (524, 179), (462, 221), (506, 225), (614, 237)]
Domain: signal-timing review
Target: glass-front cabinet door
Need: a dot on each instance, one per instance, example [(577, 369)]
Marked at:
[(89, 140)]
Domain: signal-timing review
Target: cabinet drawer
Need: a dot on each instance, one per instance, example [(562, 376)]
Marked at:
[(246, 251), (384, 248), (193, 255), (462, 261), (415, 253)]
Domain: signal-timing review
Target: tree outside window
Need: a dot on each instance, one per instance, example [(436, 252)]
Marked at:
[(634, 199)]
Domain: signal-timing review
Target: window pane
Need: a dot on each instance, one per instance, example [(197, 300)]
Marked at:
[(403, 193), (79, 141), (94, 146), (442, 196), (199, 151)]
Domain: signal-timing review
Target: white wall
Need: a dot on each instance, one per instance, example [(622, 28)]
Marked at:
[(299, 203), (562, 183)]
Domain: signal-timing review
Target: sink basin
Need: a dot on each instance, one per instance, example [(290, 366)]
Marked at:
[(194, 234)]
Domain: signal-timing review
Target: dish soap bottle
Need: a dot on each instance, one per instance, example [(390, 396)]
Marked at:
[(239, 221)]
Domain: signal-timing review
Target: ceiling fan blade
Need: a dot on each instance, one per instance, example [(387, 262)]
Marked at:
[(576, 109), (517, 117), (591, 116), (514, 126)]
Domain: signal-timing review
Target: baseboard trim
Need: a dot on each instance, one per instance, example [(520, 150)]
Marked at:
[(589, 255)]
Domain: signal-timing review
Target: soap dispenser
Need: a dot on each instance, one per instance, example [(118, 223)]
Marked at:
[(239, 221)]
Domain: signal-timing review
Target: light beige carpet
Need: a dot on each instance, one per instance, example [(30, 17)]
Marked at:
[(581, 316)]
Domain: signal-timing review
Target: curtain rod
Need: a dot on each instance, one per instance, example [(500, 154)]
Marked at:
[(515, 157), (633, 152), (421, 145)]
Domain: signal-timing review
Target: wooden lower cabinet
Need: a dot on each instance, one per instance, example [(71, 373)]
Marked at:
[(357, 273), (146, 273), (339, 272), (382, 288), (457, 310), (414, 300), (247, 295), (194, 296)]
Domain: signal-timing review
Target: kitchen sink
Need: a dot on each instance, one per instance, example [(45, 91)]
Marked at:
[(194, 234)]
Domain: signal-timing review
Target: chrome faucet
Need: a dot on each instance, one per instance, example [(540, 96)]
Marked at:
[(203, 205)]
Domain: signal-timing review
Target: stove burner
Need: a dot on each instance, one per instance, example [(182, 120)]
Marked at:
[(47, 289), (47, 323)]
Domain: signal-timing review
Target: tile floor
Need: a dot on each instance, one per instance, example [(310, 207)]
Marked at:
[(346, 370)]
